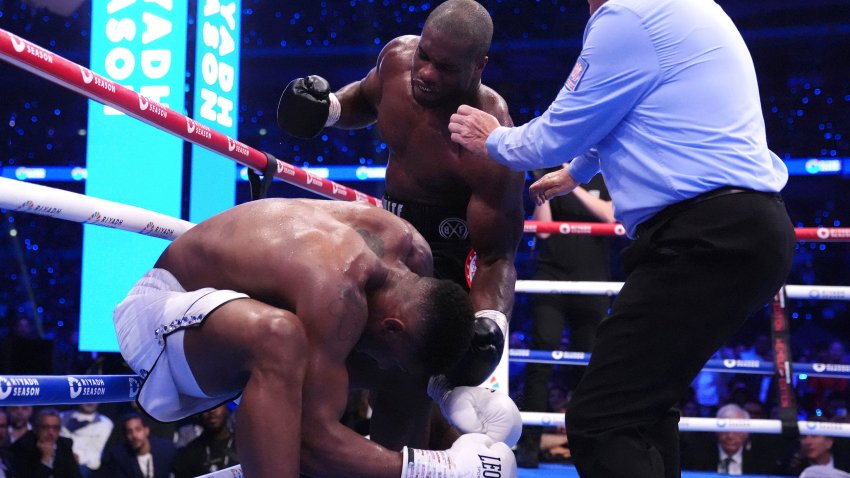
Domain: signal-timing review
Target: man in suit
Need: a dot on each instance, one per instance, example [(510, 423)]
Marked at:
[(730, 453), (5, 452), (42, 453), (140, 455)]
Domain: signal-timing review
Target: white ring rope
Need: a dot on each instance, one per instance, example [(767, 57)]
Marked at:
[(45, 201), (814, 292), (697, 424)]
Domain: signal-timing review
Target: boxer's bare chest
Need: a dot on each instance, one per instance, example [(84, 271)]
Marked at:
[(423, 160)]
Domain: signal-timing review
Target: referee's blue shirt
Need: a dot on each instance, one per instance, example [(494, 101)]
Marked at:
[(666, 92)]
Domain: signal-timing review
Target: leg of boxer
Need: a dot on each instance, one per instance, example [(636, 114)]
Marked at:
[(248, 345), (692, 281)]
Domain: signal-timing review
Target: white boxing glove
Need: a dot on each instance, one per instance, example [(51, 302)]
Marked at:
[(478, 410), (471, 456)]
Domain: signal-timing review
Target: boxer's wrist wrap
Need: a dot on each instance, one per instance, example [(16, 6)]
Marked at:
[(418, 463), (334, 110), (499, 318)]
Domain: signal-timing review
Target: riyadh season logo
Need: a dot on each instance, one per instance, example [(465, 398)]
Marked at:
[(285, 169), (146, 104), (313, 179), (152, 229), (233, 145), (86, 387), (193, 127), (339, 190), (17, 43), (566, 355), (19, 387), (135, 385), (30, 206), (88, 76), (830, 367)]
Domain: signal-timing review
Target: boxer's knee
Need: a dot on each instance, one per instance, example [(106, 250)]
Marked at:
[(280, 342)]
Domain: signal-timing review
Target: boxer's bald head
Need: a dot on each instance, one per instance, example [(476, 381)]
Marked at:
[(467, 21)]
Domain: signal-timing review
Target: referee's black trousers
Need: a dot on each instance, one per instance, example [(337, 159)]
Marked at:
[(695, 272)]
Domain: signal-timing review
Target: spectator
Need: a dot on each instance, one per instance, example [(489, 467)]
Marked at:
[(140, 454), (19, 421), (553, 442), (821, 471), (709, 384), (5, 452), (565, 258), (89, 430), (823, 388), (817, 450), (730, 453), (42, 453), (214, 450)]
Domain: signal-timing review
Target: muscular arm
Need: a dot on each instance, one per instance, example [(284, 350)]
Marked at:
[(336, 310), (495, 215), (328, 447), (359, 100)]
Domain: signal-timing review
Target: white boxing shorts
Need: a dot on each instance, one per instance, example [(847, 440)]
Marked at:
[(150, 323)]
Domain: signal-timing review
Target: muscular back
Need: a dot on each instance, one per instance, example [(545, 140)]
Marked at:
[(288, 252)]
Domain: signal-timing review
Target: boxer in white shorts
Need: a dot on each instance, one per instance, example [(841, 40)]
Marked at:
[(321, 285)]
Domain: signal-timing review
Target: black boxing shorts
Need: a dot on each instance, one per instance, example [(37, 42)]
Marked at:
[(446, 231)]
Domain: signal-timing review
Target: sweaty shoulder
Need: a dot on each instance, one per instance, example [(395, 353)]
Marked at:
[(396, 53), (493, 103)]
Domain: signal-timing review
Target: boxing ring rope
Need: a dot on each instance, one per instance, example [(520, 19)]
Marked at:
[(819, 234), (46, 201), (46, 64), (815, 292), (61, 390), (698, 424), (54, 68)]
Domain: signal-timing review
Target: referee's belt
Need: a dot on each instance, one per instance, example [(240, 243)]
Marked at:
[(682, 206)]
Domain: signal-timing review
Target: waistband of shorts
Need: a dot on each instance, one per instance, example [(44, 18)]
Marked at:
[(435, 223), (682, 206)]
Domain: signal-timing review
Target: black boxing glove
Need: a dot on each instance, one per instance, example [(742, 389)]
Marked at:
[(306, 106), (485, 350)]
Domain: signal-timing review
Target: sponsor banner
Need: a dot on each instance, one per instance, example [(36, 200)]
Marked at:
[(141, 46), (70, 389), (215, 106)]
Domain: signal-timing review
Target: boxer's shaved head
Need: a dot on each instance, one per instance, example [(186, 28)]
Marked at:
[(466, 20)]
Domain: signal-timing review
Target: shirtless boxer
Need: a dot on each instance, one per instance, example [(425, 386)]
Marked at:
[(457, 201), (281, 293)]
